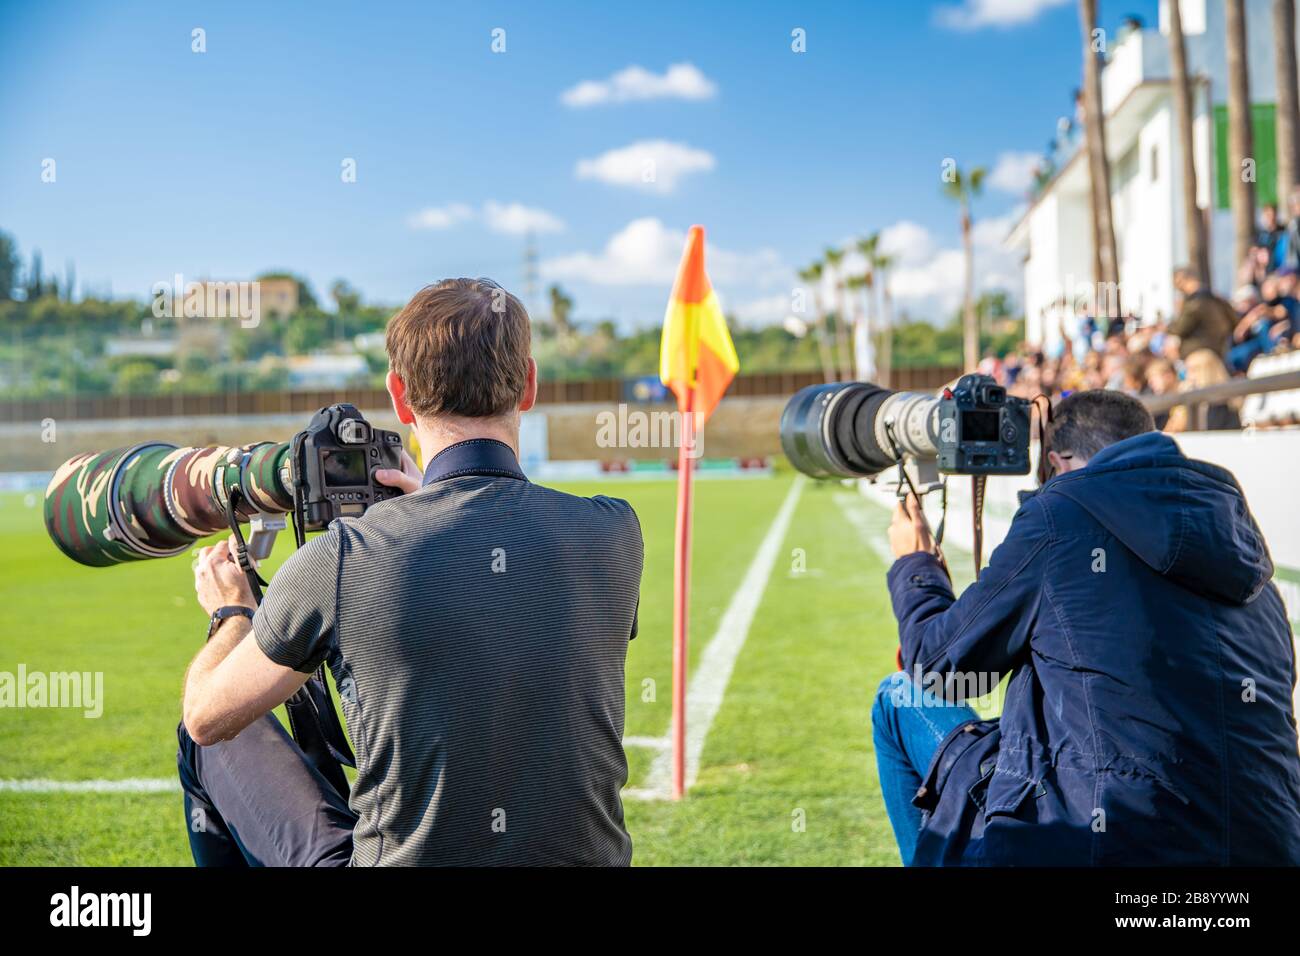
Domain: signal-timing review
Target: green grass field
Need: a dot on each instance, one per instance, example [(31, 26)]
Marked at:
[(786, 775)]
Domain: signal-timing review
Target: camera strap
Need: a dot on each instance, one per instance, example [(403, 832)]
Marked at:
[(314, 723), (313, 718), (977, 484), (1044, 419), (255, 581)]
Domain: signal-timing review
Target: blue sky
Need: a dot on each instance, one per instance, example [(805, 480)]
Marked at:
[(228, 162)]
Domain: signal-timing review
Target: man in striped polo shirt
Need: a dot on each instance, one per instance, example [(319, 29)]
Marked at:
[(476, 628)]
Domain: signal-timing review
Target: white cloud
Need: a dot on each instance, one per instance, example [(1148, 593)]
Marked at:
[(655, 165), (516, 219), (646, 252), (511, 219), (441, 217), (930, 285), (974, 14), (682, 81), (992, 233), (908, 242), (766, 310), (1014, 172)]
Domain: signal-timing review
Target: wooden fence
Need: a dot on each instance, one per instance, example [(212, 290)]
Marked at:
[(305, 402)]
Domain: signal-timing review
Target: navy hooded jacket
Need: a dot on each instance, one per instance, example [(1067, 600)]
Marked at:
[(1149, 717)]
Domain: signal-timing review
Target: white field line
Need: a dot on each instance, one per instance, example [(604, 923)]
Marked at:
[(705, 691), (870, 521), (129, 785), (870, 515), (707, 686)]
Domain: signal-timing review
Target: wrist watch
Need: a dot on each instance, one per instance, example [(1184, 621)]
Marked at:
[(221, 613)]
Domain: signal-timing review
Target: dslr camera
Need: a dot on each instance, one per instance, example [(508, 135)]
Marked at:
[(334, 459), (982, 429)]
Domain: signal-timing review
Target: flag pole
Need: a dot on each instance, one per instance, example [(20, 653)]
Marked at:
[(681, 588)]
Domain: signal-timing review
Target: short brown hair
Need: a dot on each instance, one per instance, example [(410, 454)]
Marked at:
[(461, 347), (1087, 422)]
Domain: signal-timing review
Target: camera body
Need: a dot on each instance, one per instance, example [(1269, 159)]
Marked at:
[(982, 430), (334, 460)]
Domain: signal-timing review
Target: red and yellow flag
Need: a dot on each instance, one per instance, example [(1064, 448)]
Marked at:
[(697, 359)]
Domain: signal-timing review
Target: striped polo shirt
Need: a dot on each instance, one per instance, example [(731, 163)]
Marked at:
[(477, 630)]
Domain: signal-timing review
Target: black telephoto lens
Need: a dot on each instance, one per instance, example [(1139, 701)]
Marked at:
[(828, 431)]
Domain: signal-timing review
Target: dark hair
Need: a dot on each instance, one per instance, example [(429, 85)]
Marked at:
[(1087, 422), (461, 348)]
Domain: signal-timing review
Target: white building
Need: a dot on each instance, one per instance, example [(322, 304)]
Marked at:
[(326, 371), (1055, 234)]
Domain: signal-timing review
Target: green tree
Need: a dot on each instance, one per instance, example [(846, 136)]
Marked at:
[(136, 378), (9, 266), (347, 300), (35, 278)]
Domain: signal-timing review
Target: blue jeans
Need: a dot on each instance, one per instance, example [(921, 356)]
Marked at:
[(1259, 343), (908, 725)]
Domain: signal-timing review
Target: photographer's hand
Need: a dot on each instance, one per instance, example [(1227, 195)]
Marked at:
[(909, 532), (218, 581), (408, 479)]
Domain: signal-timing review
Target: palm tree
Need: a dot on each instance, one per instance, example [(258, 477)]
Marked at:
[(885, 354), (963, 187), (843, 352), (1105, 254), (867, 248), (1288, 102), (1240, 141), (860, 329), (1198, 253), (812, 277), (561, 307)]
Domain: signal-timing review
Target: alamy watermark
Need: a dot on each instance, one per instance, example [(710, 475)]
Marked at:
[(208, 300), (923, 688), (1100, 299), (133, 911), (76, 690), (635, 428)]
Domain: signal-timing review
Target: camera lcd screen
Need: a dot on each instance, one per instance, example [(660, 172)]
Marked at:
[(980, 426), (344, 468)]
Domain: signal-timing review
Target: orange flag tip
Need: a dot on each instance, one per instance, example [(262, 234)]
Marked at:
[(697, 358), (692, 283)]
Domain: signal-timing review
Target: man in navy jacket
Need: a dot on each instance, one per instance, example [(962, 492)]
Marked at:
[(1148, 719)]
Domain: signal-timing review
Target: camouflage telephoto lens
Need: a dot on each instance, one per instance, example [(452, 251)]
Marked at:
[(153, 500)]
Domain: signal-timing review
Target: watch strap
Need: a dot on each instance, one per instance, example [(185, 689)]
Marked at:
[(221, 613)]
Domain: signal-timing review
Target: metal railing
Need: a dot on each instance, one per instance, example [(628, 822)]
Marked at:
[(1198, 401), (81, 407)]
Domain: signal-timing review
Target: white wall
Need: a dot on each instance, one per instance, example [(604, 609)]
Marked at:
[(1145, 219), (1060, 240)]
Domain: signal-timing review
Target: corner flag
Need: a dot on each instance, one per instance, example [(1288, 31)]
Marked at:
[(697, 360)]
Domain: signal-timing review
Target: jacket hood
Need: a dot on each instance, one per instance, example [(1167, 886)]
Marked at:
[(1186, 519)]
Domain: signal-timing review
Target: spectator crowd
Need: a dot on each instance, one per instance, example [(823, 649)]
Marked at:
[(1209, 341)]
